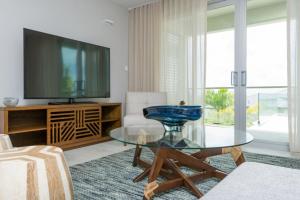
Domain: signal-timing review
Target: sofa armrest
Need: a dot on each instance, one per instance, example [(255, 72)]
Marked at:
[(257, 181), (35, 172)]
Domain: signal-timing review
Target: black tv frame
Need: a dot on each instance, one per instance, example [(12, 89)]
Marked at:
[(71, 100)]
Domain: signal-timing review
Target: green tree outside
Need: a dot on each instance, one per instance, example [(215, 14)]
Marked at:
[(222, 103), (219, 99)]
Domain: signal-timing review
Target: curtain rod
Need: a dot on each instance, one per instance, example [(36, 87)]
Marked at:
[(143, 4), (210, 2)]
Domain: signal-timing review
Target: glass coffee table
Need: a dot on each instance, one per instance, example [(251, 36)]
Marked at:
[(171, 152)]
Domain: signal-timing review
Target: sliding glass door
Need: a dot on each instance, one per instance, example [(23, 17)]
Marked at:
[(220, 107), (246, 68), (267, 70), (226, 67)]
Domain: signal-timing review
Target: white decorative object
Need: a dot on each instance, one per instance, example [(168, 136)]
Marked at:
[(10, 101), (109, 22)]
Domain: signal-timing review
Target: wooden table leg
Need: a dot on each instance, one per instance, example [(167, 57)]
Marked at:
[(188, 183), (157, 164), (143, 175), (236, 153), (154, 172), (167, 162), (137, 155), (149, 190)]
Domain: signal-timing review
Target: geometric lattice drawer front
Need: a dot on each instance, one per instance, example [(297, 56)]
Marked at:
[(70, 125)]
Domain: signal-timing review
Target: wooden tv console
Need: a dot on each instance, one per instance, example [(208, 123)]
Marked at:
[(66, 126)]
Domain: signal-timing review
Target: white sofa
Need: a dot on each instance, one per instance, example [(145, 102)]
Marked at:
[(257, 181), (136, 101)]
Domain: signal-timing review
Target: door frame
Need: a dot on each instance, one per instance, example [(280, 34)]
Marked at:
[(240, 64), (240, 60)]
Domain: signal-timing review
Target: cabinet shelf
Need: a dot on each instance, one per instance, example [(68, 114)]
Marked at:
[(27, 129), (110, 120)]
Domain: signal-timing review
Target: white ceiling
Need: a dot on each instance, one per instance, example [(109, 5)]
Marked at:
[(131, 3), (135, 3)]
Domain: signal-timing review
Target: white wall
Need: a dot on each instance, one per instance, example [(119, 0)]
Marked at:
[(77, 19)]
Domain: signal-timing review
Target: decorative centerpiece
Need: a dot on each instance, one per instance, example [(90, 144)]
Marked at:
[(173, 118)]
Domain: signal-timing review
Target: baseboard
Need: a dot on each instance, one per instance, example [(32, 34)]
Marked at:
[(263, 144)]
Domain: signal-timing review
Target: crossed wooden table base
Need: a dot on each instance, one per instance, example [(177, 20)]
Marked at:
[(167, 163)]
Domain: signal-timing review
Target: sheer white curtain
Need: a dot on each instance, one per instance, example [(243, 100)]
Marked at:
[(294, 73), (183, 42), (167, 41), (144, 47)]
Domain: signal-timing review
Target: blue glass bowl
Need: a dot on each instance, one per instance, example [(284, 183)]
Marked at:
[(173, 117)]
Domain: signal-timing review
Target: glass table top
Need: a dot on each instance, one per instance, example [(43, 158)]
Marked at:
[(191, 137)]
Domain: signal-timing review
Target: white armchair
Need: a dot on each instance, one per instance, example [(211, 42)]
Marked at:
[(136, 101)]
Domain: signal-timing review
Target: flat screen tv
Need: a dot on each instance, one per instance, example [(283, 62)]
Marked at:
[(60, 68)]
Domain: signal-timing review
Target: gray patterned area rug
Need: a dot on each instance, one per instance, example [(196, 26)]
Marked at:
[(111, 177)]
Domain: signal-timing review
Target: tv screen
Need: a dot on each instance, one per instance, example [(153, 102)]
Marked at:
[(57, 67)]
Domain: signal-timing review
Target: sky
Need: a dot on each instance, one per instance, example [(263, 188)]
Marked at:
[(266, 56)]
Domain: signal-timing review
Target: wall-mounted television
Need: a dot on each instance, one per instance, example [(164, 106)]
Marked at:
[(61, 68)]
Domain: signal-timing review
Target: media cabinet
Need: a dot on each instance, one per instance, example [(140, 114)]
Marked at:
[(66, 126)]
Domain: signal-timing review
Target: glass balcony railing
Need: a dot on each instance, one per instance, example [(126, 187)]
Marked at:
[(267, 113), (267, 109)]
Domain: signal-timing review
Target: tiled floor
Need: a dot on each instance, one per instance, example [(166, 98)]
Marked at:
[(272, 152), (92, 152), (96, 151)]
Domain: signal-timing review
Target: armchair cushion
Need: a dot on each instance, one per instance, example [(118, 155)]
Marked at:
[(136, 101), (133, 120)]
